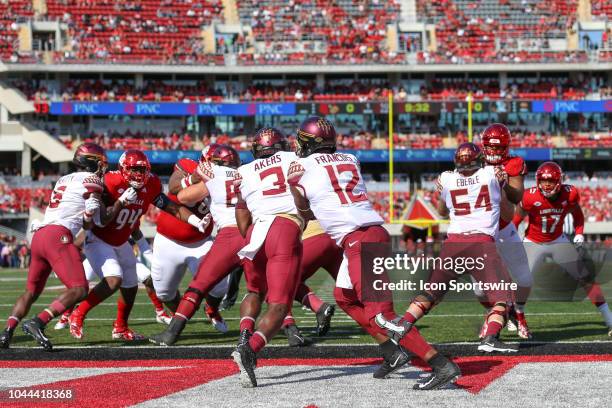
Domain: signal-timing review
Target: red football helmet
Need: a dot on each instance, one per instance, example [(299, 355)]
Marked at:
[(207, 152), (268, 141), (135, 168), (548, 178), (496, 141), (225, 155), (468, 158), (315, 133), (92, 158)]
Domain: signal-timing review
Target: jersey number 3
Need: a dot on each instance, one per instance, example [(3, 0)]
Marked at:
[(482, 201)]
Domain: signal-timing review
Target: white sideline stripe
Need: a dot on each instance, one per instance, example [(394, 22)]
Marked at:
[(460, 343)]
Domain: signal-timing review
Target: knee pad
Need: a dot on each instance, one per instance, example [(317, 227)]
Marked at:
[(420, 301), (502, 313)]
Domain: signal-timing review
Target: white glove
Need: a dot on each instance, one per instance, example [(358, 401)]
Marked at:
[(129, 196), (579, 240), (501, 175), (92, 204), (200, 224)]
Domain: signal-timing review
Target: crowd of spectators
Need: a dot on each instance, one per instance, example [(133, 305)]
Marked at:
[(14, 253)]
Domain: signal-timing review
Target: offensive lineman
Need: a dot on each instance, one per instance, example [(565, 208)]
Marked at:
[(471, 194), (547, 204), (74, 201), (328, 186), (130, 191)]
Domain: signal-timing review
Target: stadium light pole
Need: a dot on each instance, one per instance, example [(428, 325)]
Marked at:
[(469, 101)]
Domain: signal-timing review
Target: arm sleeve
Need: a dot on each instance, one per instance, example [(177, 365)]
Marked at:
[(577, 212)]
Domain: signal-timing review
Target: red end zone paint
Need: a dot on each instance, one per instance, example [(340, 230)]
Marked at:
[(127, 388)]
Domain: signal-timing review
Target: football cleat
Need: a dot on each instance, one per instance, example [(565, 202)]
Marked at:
[(396, 328), (246, 360), (439, 377), (523, 329), (490, 344), (609, 331), (324, 316), (76, 325), (216, 319), (63, 322), (35, 328), (5, 338), (162, 317), (244, 338), (169, 336), (125, 333), (512, 324), (397, 360), (295, 337)]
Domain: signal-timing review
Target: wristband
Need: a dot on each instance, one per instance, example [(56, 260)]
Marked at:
[(186, 181), (241, 206), (87, 217)]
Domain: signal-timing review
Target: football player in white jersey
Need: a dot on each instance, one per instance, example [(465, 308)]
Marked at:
[(471, 194), (74, 201), (217, 176), (328, 186), (267, 217)]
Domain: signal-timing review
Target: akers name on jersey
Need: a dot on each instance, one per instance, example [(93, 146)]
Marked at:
[(222, 196), (337, 193), (127, 219), (173, 228), (473, 201), (264, 185), (546, 216), (67, 203)]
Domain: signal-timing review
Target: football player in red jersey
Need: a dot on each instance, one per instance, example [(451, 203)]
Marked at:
[(547, 204), (179, 246), (129, 191), (75, 200), (496, 148)]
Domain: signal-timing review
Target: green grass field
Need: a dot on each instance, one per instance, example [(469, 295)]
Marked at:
[(448, 322)]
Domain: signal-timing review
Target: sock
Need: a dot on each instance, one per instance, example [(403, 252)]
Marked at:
[(257, 341), (594, 293), (312, 301), (123, 312), (493, 328), (437, 361), (288, 321), (12, 322), (55, 309), (159, 306), (89, 303), (387, 349), (416, 344), (605, 312), (409, 317), (189, 304), (248, 323)]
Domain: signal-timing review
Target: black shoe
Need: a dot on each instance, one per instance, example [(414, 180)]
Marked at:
[(490, 344), (169, 336), (296, 339), (390, 365), (244, 338), (226, 304), (35, 328), (324, 316), (5, 338), (245, 358), (439, 377)]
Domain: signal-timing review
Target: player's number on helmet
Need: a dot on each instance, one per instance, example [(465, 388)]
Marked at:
[(463, 208), (345, 194)]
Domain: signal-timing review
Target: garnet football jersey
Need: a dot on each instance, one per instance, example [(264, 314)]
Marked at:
[(473, 201), (264, 185), (171, 227), (222, 195), (337, 193), (127, 219), (545, 216), (67, 203)]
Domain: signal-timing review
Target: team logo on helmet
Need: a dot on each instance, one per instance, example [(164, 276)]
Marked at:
[(314, 134), (92, 158), (548, 179), (496, 143), (225, 155), (468, 158), (268, 141), (135, 168)]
